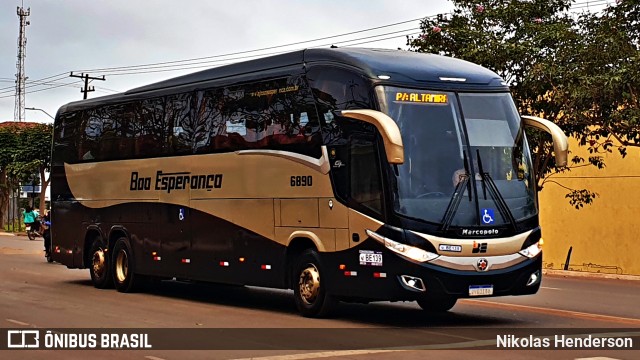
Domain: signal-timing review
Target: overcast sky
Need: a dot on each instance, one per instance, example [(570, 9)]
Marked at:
[(81, 35)]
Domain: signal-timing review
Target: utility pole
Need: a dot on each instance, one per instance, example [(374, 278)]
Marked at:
[(19, 114), (86, 78)]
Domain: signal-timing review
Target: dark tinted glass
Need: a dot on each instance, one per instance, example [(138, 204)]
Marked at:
[(64, 139), (276, 114), (337, 89), (366, 187)]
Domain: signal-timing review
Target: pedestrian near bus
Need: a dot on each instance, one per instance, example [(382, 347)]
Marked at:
[(46, 234)]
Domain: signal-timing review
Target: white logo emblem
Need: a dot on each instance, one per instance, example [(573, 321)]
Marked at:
[(23, 339)]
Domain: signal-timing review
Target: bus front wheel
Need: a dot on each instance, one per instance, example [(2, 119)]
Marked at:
[(311, 297), (99, 266), (440, 304), (123, 263)]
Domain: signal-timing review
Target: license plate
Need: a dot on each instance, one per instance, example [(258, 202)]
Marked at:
[(28, 228), (480, 290), (370, 258)]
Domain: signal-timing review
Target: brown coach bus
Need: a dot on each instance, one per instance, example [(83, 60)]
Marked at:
[(343, 174)]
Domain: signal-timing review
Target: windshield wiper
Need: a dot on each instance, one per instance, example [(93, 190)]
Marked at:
[(488, 183), (457, 195)]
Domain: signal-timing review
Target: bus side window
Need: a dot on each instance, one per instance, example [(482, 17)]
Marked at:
[(355, 171), (365, 182)]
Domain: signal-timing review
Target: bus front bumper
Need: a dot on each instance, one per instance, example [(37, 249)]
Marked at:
[(401, 279)]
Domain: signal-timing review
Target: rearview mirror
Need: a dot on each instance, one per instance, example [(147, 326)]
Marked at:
[(560, 142), (387, 128)]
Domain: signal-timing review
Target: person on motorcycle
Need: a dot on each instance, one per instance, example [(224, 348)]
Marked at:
[(46, 234), (31, 219)]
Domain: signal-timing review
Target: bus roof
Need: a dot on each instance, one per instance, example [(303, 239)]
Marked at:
[(401, 67), (407, 66)]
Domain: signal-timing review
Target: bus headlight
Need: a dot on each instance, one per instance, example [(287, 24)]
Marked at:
[(532, 251), (409, 251)]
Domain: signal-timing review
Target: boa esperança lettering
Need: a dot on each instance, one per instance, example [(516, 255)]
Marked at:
[(175, 181)]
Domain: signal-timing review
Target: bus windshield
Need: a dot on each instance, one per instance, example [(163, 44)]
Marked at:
[(467, 149)]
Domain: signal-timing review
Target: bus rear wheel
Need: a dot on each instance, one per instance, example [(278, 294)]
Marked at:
[(100, 266), (311, 297), (123, 262), (440, 304)]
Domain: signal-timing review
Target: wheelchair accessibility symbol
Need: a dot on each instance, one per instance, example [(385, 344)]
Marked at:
[(488, 216)]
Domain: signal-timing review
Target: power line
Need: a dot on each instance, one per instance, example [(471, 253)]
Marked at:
[(32, 84), (224, 59), (392, 37), (184, 64), (254, 50), (192, 61), (60, 76), (35, 91), (228, 61)]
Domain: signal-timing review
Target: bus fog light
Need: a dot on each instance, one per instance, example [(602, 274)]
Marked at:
[(534, 278), (413, 283)]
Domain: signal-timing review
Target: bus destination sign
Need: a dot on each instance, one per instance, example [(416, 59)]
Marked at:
[(421, 97)]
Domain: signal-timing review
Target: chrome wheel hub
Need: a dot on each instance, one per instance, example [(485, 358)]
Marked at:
[(99, 265), (122, 266), (309, 284)]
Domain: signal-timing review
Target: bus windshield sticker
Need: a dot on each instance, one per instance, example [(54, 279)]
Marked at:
[(488, 216), (281, 90), (412, 97), (370, 258)]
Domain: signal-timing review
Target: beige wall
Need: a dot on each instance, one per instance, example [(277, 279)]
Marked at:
[(605, 236)]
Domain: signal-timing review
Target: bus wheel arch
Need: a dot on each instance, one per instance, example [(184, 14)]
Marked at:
[(295, 248)]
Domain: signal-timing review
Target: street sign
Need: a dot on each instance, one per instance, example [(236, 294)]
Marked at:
[(30, 189)]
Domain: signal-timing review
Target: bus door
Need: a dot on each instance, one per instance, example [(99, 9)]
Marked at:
[(355, 170)]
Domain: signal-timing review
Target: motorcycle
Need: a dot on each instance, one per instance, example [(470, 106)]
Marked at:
[(32, 233)]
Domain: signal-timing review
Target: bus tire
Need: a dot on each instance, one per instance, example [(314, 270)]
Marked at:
[(100, 265), (311, 297), (439, 304), (123, 264)]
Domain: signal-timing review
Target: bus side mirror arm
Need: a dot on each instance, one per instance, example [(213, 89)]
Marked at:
[(560, 142), (387, 128)]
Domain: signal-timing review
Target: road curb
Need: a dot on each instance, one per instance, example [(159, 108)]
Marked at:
[(590, 275), (2, 233)]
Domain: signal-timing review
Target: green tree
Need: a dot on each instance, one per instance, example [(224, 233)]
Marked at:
[(578, 70), (8, 143), (33, 156), (25, 154)]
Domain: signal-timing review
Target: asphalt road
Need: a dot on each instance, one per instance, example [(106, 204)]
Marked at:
[(248, 322)]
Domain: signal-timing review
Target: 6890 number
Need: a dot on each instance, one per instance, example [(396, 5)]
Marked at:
[(301, 180)]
